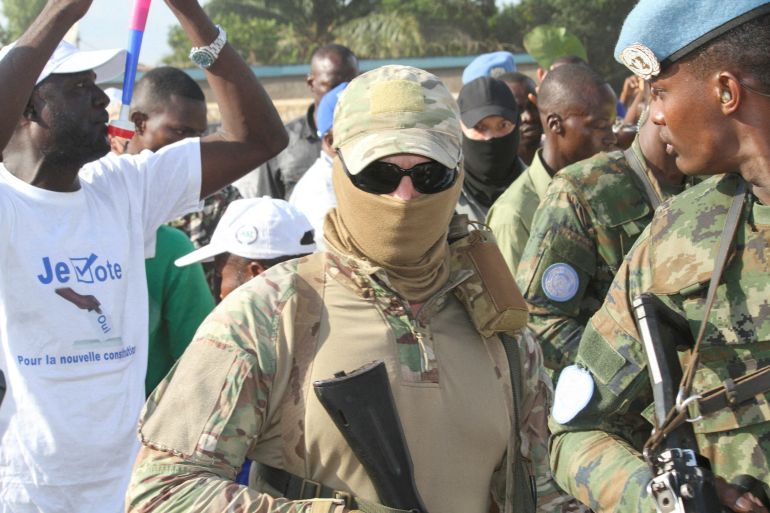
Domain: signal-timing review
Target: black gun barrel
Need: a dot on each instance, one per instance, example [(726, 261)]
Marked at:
[(361, 405)]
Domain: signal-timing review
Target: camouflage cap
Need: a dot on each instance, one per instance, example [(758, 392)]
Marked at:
[(396, 109)]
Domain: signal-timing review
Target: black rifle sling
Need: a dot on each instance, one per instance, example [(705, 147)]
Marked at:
[(676, 417), (524, 491), (638, 169)]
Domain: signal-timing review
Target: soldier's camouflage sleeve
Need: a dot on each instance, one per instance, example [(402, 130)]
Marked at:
[(537, 396), (198, 425), (596, 456), (555, 271)]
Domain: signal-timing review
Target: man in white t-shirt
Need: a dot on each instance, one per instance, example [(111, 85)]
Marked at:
[(75, 232)]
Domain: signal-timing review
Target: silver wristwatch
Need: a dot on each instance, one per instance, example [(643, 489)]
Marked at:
[(205, 56)]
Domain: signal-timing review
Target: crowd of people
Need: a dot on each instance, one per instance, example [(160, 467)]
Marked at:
[(175, 306)]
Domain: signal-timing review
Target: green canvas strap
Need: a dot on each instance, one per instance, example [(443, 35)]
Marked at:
[(638, 169), (521, 489)]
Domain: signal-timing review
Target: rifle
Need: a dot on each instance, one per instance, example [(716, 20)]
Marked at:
[(361, 405), (682, 482)]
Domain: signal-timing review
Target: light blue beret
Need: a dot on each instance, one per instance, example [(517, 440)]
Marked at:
[(485, 64), (657, 33)]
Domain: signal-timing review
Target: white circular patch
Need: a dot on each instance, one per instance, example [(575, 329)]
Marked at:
[(573, 392), (246, 234), (641, 60), (560, 282)]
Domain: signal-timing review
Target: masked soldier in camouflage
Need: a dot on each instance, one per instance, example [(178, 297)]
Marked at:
[(589, 218), (709, 69), (389, 288)]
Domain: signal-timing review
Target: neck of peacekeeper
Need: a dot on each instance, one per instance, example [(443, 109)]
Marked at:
[(553, 160)]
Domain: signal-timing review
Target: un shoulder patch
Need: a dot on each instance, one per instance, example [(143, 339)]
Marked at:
[(573, 393), (560, 282)]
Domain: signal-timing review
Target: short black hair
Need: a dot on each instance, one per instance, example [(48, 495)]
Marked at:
[(568, 59), (514, 77), (343, 55), (744, 48), (158, 85), (569, 85)]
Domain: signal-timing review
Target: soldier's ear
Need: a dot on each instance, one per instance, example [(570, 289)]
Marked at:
[(728, 92), (555, 123)]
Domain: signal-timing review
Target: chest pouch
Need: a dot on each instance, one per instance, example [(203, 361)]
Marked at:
[(490, 296)]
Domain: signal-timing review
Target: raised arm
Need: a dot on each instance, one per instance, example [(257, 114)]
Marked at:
[(24, 63), (251, 131)]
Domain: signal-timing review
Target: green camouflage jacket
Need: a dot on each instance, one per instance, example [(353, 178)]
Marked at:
[(595, 456), (242, 389), (589, 218)]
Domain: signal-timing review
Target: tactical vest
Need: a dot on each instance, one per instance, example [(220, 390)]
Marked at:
[(495, 307)]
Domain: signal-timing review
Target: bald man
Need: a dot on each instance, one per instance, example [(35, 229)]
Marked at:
[(330, 65), (577, 110)]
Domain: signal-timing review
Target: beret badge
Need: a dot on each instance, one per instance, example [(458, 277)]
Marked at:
[(641, 60)]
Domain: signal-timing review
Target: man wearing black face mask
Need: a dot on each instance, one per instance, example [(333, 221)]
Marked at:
[(490, 125)]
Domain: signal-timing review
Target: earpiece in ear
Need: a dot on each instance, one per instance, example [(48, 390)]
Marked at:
[(726, 96)]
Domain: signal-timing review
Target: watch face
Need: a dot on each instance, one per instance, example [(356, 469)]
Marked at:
[(202, 58)]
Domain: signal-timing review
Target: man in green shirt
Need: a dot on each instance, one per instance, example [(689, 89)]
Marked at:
[(577, 109)]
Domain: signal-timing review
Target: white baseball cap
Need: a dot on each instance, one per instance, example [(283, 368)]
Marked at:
[(257, 228), (67, 58)]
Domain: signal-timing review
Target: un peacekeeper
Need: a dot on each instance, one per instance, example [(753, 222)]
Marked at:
[(389, 288), (589, 218), (709, 69)]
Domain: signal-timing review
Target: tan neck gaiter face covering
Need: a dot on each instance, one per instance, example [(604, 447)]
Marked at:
[(406, 238)]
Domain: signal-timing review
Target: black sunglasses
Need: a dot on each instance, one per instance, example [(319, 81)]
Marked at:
[(383, 177)]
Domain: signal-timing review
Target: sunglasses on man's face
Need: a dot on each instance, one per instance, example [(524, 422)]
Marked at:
[(383, 177)]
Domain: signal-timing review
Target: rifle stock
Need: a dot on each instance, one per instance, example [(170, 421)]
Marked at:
[(361, 405)]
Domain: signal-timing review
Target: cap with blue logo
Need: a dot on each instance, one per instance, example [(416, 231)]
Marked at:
[(489, 65), (658, 33), (324, 116)]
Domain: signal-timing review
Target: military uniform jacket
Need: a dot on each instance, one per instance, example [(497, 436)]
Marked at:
[(589, 218), (595, 456), (243, 389)]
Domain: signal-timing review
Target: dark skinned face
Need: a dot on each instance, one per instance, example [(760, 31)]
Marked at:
[(687, 111), (326, 73), (73, 109), (530, 127), (179, 119), (588, 130)]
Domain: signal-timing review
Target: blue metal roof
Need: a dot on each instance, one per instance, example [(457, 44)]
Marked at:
[(293, 70)]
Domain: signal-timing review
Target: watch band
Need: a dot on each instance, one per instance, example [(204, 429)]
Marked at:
[(205, 56)]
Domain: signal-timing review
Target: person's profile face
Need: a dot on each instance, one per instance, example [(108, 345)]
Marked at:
[(687, 110), (180, 118), (588, 129), (74, 109)]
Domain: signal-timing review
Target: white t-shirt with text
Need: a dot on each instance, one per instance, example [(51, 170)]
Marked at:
[(73, 325)]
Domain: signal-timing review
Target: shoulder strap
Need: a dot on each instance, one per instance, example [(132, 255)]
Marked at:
[(678, 414), (638, 169), (521, 483)]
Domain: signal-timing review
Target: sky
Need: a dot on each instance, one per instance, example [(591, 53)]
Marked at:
[(106, 26)]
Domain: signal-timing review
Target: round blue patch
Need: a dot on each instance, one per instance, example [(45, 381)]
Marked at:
[(560, 282)]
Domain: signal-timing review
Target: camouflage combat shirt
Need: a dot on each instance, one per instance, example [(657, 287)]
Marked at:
[(242, 389), (595, 456), (587, 221)]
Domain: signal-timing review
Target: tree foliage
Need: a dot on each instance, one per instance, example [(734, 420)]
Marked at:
[(19, 15)]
